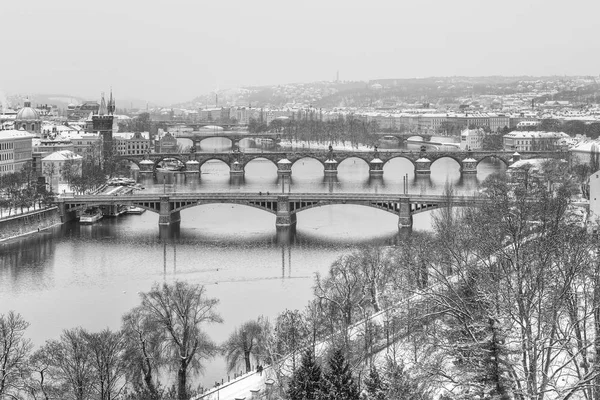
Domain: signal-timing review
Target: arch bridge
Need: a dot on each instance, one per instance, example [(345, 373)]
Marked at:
[(376, 160), (234, 136), (285, 206)]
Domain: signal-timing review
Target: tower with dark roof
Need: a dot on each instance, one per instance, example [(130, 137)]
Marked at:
[(103, 124)]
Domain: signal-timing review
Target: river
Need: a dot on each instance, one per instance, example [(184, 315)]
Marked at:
[(75, 275)]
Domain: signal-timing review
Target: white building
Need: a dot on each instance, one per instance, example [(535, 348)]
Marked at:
[(472, 139), (15, 150), (53, 167), (534, 141)]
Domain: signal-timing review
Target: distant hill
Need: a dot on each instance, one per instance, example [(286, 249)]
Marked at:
[(63, 100)]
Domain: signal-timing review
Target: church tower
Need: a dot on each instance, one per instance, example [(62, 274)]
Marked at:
[(103, 124)]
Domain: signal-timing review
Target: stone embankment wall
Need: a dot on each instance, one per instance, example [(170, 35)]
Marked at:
[(23, 224)]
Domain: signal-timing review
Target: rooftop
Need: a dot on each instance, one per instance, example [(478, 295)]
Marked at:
[(14, 134)]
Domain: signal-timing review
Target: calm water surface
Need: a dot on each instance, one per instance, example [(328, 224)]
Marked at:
[(88, 276)]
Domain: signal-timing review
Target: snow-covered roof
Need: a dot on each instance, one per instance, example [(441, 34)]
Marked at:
[(15, 134), (62, 155)]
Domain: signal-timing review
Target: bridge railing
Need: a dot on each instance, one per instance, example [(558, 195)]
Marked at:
[(412, 198)]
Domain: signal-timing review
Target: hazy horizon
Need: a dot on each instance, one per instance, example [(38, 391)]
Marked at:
[(168, 54)]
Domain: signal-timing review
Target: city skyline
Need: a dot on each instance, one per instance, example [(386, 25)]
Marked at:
[(168, 55)]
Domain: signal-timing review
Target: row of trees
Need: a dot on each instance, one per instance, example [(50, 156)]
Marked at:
[(163, 334), (344, 129), (22, 190), (571, 128)]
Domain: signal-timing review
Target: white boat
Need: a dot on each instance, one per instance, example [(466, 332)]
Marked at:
[(266, 141), (90, 216), (135, 210), (121, 182)]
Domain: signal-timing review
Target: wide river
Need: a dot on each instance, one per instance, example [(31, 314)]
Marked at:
[(89, 276)]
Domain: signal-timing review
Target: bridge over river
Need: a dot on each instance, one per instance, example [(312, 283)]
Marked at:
[(285, 206), (235, 136), (330, 159)]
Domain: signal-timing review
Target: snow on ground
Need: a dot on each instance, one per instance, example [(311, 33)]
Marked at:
[(298, 144)]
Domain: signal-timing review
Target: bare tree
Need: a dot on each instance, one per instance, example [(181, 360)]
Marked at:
[(144, 351), (341, 294), (180, 310), (106, 350), (245, 341), (14, 352), (71, 366)]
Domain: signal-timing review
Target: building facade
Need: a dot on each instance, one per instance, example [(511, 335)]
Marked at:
[(166, 144), (472, 139), (534, 141), (132, 143), (53, 166), (15, 150)]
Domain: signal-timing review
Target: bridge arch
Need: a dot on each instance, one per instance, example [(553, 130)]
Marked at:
[(455, 158), (347, 159), (268, 206), (257, 157), (402, 157), (204, 160), (131, 160), (177, 157), (309, 156), (349, 202), (199, 139), (494, 157)]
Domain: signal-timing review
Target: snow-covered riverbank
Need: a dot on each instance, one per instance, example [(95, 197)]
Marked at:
[(303, 145)]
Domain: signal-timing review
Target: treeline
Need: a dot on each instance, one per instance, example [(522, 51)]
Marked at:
[(22, 190), (571, 128), (311, 128), (163, 334), (498, 302)]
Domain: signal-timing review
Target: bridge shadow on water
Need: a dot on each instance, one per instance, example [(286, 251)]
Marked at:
[(283, 236)]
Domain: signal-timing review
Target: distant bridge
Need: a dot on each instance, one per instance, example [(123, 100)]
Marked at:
[(234, 136), (285, 206), (376, 160)]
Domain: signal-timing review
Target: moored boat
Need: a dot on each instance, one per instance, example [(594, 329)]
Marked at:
[(135, 210), (90, 216)]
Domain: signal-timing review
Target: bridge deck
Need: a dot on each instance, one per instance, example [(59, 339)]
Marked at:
[(272, 196)]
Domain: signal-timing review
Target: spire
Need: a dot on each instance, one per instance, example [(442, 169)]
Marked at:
[(111, 104), (102, 110), (27, 103)]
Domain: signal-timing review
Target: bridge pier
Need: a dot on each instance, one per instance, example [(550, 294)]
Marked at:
[(331, 167), (236, 169), (423, 166), (165, 215), (405, 219), (192, 169), (284, 167), (376, 167), (469, 166), (146, 168), (66, 216), (284, 217)]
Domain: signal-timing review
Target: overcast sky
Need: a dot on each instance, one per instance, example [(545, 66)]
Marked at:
[(171, 51)]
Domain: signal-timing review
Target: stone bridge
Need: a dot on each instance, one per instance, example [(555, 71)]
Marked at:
[(376, 160), (234, 136), (285, 206)]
